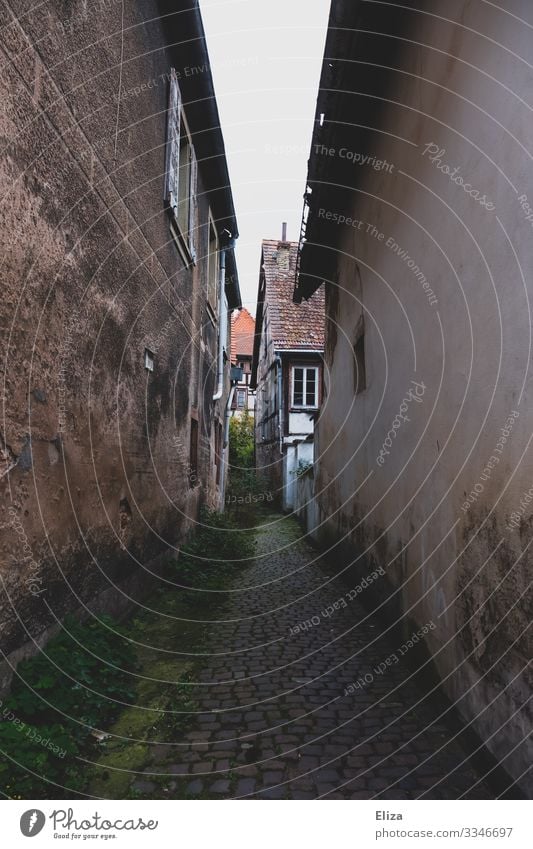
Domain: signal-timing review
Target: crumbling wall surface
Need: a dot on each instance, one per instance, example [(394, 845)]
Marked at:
[(437, 472), (269, 466), (94, 449)]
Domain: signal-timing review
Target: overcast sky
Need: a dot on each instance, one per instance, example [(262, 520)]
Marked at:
[(266, 58)]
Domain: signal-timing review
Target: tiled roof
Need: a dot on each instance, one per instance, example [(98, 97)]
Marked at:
[(242, 334), (293, 326)]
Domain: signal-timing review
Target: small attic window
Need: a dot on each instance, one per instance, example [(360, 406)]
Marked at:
[(148, 359)]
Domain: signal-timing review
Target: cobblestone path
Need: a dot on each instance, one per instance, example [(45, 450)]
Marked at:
[(279, 719)]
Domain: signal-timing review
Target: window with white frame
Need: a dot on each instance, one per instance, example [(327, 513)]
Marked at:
[(304, 386), (181, 171)]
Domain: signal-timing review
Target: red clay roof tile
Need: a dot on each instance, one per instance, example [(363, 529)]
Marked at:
[(294, 326), (242, 334)]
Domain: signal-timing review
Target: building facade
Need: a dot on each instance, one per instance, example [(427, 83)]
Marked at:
[(242, 348), (418, 228), (117, 231), (286, 371)]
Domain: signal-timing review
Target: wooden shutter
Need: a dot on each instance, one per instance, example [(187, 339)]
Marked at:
[(173, 142), (193, 204)]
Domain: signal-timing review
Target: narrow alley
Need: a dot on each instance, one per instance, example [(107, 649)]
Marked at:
[(266, 479), (277, 713)]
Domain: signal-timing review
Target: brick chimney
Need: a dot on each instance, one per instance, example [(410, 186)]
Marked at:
[(284, 250)]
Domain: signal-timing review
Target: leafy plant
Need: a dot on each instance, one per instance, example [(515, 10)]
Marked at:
[(241, 442), (27, 760), (244, 485), (303, 467), (74, 685), (217, 545), (82, 673)]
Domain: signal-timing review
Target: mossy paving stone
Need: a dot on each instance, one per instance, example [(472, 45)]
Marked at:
[(345, 747), (120, 771)]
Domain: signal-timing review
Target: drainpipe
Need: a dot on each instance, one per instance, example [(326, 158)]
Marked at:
[(222, 322), (227, 417), (280, 404), (280, 425)]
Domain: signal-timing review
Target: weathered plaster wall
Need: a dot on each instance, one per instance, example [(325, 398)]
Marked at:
[(100, 482), (459, 564)]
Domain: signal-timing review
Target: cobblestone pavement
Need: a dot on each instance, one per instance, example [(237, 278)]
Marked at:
[(279, 719)]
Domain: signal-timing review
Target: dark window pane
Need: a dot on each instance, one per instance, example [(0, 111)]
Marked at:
[(298, 387), (359, 365), (310, 391), (183, 185)]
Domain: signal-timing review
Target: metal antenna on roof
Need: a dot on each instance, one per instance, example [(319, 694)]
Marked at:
[(284, 232)]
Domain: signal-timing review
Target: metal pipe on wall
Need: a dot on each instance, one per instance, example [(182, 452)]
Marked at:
[(222, 326)]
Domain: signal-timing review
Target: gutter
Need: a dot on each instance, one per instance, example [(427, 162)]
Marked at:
[(316, 351), (258, 332), (225, 441), (222, 325), (227, 300)]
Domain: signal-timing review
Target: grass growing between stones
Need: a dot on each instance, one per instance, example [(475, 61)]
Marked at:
[(101, 700), (170, 642), (58, 703)]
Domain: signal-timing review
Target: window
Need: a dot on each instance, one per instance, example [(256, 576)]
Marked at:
[(148, 359), (212, 271), (239, 399), (184, 198), (305, 386), (181, 171)]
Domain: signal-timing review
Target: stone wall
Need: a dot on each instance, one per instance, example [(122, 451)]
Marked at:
[(96, 480)]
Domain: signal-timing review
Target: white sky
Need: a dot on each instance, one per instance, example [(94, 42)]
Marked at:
[(266, 58)]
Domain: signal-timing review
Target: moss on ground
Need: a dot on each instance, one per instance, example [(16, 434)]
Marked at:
[(164, 692), (162, 686)]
